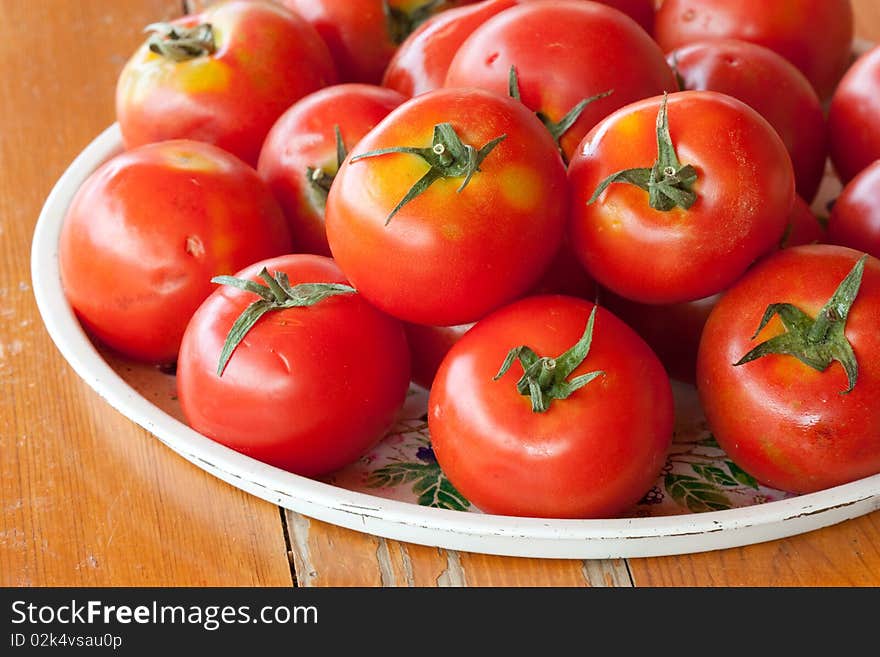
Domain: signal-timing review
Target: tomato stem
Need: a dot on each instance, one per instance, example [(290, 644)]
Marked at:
[(815, 342), (402, 23), (276, 294), (668, 183), (557, 129), (181, 44), (320, 179), (448, 157), (545, 379)]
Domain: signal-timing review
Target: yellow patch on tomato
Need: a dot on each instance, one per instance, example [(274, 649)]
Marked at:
[(520, 187), (147, 72)]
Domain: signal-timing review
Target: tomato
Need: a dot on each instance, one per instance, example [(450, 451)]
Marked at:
[(793, 426), (421, 62), (300, 156), (435, 236), (309, 389), (363, 35), (723, 190), (852, 117), (146, 232), (855, 217), (566, 275), (804, 227), (814, 35), (590, 454), (428, 346), (222, 76), (773, 87), (564, 52)]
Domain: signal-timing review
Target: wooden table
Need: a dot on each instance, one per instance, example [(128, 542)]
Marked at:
[(87, 498)]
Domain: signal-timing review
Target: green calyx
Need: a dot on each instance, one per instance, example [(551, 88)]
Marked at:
[(276, 294), (668, 183), (557, 129), (818, 341), (546, 379), (448, 156), (403, 23), (180, 44), (320, 179)]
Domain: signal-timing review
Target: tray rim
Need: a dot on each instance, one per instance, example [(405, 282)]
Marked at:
[(394, 519)]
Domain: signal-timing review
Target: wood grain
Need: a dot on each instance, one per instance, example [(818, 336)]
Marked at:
[(86, 497)]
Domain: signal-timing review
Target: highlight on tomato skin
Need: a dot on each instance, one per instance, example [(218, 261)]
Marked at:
[(855, 216), (221, 76), (309, 389), (793, 405), (590, 454), (305, 147), (146, 232)]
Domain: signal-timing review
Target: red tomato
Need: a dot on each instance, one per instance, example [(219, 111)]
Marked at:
[(421, 62), (641, 11), (146, 232), (855, 217), (773, 87), (592, 454), (299, 158), (363, 35), (793, 426), (481, 234), (310, 389), (428, 346), (226, 81), (733, 180), (564, 52), (804, 227), (852, 119), (814, 35)]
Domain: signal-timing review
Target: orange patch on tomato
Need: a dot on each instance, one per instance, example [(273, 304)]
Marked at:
[(520, 187)]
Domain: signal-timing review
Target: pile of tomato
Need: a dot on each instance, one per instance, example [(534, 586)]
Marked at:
[(543, 211)]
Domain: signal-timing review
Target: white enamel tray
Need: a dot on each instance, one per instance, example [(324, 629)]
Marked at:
[(701, 501)]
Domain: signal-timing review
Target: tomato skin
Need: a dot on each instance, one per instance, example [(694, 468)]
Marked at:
[(783, 422), (146, 232), (789, 28), (773, 87), (421, 62), (448, 258), (304, 137), (852, 117), (550, 44), (589, 456), (641, 11), (745, 191), (855, 217), (266, 59), (428, 346), (357, 33), (804, 227), (309, 389)]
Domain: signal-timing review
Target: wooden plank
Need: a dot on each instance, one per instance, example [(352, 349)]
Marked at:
[(327, 555), (867, 15), (86, 497)]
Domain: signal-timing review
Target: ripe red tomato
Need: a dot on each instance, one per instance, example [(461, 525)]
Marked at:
[(222, 76), (855, 217), (465, 220), (773, 87), (363, 35), (804, 227), (814, 35), (564, 52), (641, 11), (795, 426), (421, 62), (713, 208), (592, 454), (146, 232), (852, 118), (300, 156), (309, 389), (428, 346)]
